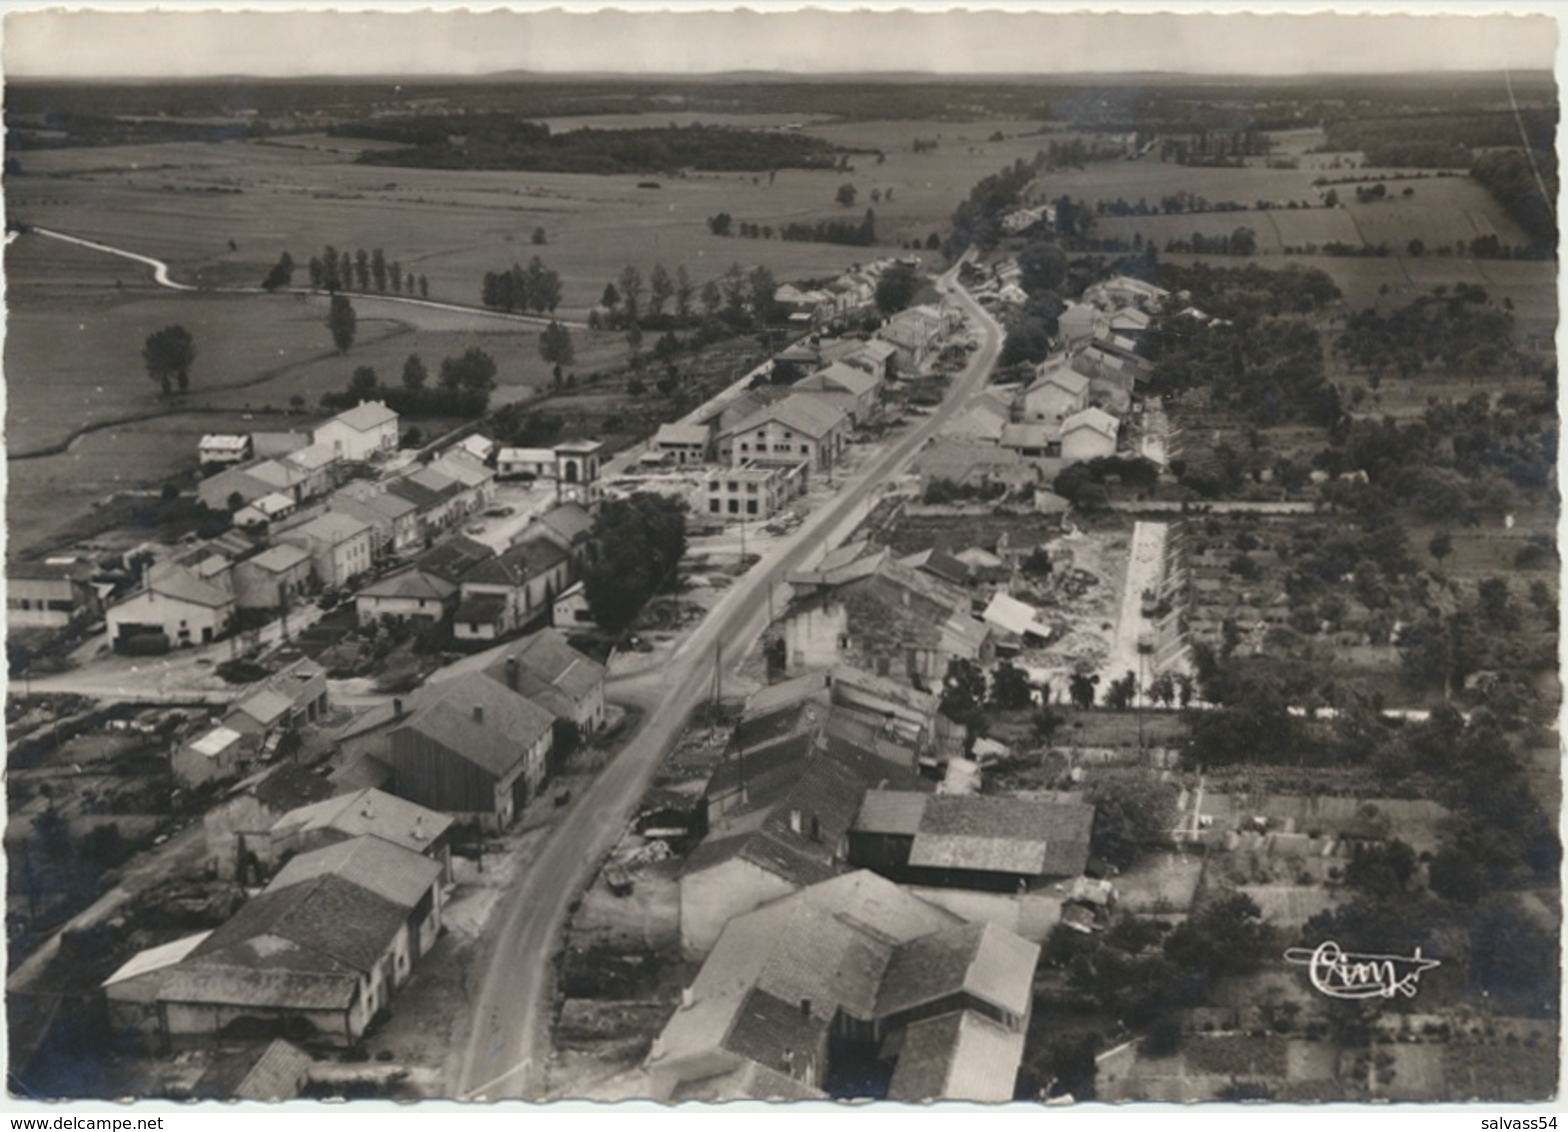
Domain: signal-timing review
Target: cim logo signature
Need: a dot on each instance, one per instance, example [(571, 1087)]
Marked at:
[(1342, 974)]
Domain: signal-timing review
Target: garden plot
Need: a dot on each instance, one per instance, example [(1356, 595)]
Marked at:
[(1081, 601)]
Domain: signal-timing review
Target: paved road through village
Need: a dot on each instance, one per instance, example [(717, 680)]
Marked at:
[(503, 1054)]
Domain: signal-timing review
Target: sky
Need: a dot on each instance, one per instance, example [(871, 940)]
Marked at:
[(119, 39)]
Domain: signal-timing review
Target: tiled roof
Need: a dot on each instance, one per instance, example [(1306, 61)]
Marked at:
[(325, 926), (498, 742), (454, 558), (518, 564), (1097, 419), (182, 585), (277, 559), (802, 412), (366, 415), (962, 1056), (998, 834), (331, 527), (265, 705), (464, 467), (681, 434), (313, 458), (378, 865), (545, 660), (526, 456), (774, 1033), (891, 811), (239, 984), (368, 812), (842, 376), (410, 583), (1058, 372), (276, 475), (983, 960), (154, 959), (273, 1072), (571, 521)]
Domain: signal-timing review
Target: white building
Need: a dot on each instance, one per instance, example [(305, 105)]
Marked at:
[(368, 429)]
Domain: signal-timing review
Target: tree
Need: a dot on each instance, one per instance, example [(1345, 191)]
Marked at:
[(846, 195), (1382, 869), (1225, 937), (712, 298), (395, 270), (1080, 690), (331, 276), (282, 273), (719, 223), (169, 354), (555, 345), (1130, 813), (1042, 266), (762, 285), (897, 288), (317, 273), (341, 322), (424, 287), (661, 288), (963, 693), (1010, 689), (473, 372), (683, 293), (363, 384), (1441, 546), (378, 269), (538, 237), (642, 540), (362, 269), (414, 373), (631, 291)]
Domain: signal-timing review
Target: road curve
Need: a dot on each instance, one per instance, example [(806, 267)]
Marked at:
[(161, 276), (503, 1054)]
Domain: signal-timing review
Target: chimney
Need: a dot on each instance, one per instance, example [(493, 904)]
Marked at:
[(795, 821), (805, 1008), (512, 669), (687, 999), (419, 827), (479, 713), (397, 709)]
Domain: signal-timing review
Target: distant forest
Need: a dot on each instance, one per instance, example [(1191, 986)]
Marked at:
[(496, 141)]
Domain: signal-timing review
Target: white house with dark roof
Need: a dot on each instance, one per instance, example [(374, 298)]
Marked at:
[(361, 813), (547, 670), (1088, 434), (173, 601), (368, 429), (477, 479), (683, 444), (1057, 392), (507, 591), (393, 519), (409, 594), (224, 448), (525, 463), (851, 979), (278, 576)]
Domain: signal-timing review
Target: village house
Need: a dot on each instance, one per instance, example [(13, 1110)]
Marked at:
[(1089, 434), (682, 444), (437, 499), (263, 512), (1057, 392), (317, 466), (548, 671), (410, 594), (852, 389), (284, 479), (876, 357), (748, 491), (973, 464), (454, 558), (223, 448), (479, 446), (571, 610), (340, 546), (473, 749), (50, 594), (368, 430), (233, 488), (213, 755), (275, 579), (525, 463), (316, 956), (778, 816), (272, 445), (570, 527), (1079, 323), (982, 419), (361, 813), (1031, 441), (895, 620), (798, 428), (723, 421), (477, 480), (914, 334), (506, 592), (974, 841), (851, 979), (175, 602), (285, 701), (234, 826), (399, 532)]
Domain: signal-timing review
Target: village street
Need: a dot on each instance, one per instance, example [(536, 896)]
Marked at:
[(503, 1054)]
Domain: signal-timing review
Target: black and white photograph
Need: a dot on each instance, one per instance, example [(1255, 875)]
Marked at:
[(899, 554)]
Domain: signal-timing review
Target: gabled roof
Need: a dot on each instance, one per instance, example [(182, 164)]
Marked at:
[(840, 376), (410, 583), (1007, 612), (464, 467), (225, 441), (273, 1072), (273, 444), (265, 705), (180, 584), (526, 456), (365, 416), (957, 1057), (983, 960), (454, 558), (1058, 373), (276, 474), (571, 522), (997, 834), (729, 416), (393, 872), (499, 741), (549, 668), (368, 813), (1092, 418), (331, 527), (682, 434), (517, 565), (940, 564), (480, 609), (154, 959), (1020, 436), (313, 458), (800, 412)]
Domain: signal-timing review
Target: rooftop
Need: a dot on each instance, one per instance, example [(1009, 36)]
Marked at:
[(332, 528), (369, 812), (366, 415), (396, 873), (481, 721), (410, 583)]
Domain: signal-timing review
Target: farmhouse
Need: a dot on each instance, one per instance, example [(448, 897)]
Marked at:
[(981, 419), (280, 477), (476, 479), (340, 546), (854, 390), (913, 334), (548, 671), (975, 841), (851, 980), (286, 700), (317, 955), (396, 529), (362, 813), (175, 602), (1057, 392), (217, 754), (409, 594), (367, 430), (265, 511), (50, 594), (473, 749), (571, 608)]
